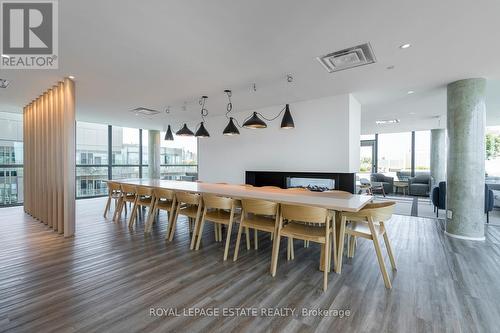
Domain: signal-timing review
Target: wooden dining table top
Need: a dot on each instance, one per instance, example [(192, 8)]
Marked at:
[(330, 200)]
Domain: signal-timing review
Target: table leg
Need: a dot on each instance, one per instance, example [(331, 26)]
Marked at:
[(337, 235)]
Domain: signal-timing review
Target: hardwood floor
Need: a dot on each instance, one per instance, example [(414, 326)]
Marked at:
[(107, 278)]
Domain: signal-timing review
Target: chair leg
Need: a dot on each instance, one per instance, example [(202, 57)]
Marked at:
[(133, 216), (389, 251), (108, 204), (276, 250), (327, 260), (228, 235), (487, 217), (380, 258), (118, 209), (200, 232), (437, 212), (256, 238), (171, 228), (340, 250), (247, 235), (216, 232), (151, 217), (292, 253), (238, 239), (334, 242)]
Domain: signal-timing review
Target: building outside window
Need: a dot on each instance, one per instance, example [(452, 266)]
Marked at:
[(11, 159), (179, 158), (91, 159), (394, 154)]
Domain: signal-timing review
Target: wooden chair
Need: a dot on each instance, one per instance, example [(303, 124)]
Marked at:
[(290, 250), (114, 193), (189, 205), (296, 228), (163, 200), (144, 198), (219, 210), (258, 215), (368, 223), (128, 195)]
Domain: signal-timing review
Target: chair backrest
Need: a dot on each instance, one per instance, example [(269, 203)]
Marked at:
[(129, 189), (335, 194), (215, 201), (188, 198), (304, 213), (271, 187), (489, 199), (246, 185), (145, 191), (163, 193), (379, 211), (113, 187), (259, 207)]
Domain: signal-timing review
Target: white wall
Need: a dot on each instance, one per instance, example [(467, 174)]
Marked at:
[(322, 141)]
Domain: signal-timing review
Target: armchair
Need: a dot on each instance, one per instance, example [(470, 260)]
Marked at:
[(386, 182), (439, 199), (419, 185)]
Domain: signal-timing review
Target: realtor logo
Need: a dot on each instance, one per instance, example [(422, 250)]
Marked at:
[(29, 34)]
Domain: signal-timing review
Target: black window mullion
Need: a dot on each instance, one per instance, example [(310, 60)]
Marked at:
[(140, 152), (110, 151), (413, 153)]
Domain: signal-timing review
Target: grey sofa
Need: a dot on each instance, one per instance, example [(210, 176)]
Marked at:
[(419, 185), (385, 181)]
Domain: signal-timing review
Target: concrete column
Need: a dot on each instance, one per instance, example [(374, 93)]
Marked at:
[(154, 154), (466, 153), (438, 156)]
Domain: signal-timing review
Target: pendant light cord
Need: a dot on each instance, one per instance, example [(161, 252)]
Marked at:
[(271, 119)]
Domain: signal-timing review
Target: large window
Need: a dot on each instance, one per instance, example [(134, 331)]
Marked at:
[(91, 159), (125, 152), (493, 151), (11, 158), (179, 158), (126, 156), (422, 151), (394, 154)]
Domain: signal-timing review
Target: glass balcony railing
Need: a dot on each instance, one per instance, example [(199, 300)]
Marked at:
[(11, 185)]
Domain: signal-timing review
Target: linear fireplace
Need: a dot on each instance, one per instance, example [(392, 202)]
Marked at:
[(312, 184), (316, 181)]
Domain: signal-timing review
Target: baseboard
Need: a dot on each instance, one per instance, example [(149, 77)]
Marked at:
[(464, 237)]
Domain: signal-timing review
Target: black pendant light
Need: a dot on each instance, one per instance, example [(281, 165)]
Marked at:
[(202, 131), (287, 120), (168, 135), (254, 122), (184, 131), (231, 128)]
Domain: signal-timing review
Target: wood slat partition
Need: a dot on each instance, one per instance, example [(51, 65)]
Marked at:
[(49, 158)]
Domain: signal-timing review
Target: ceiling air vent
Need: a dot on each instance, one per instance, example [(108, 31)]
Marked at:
[(4, 83), (145, 111), (348, 58)]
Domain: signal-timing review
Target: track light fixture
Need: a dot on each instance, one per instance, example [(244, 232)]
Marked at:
[(202, 131), (231, 128)]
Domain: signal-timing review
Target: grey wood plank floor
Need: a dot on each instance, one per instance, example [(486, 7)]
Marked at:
[(108, 277)]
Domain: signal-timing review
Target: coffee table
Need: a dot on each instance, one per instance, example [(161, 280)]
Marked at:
[(400, 184)]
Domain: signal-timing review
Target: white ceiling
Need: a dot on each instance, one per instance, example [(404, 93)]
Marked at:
[(126, 54)]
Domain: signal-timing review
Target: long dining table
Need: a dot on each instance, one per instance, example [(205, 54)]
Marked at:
[(333, 201)]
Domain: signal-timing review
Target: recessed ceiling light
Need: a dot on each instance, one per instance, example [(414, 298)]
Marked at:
[(410, 92), (388, 121), (71, 77), (405, 46)]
